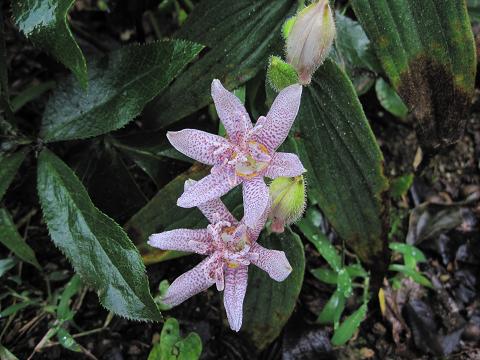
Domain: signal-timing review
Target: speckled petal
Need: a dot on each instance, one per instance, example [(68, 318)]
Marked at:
[(280, 118), (274, 262), (197, 144), (188, 284), (255, 201), (209, 188), (284, 164), (196, 241), (255, 231), (235, 288), (230, 110), (213, 210)]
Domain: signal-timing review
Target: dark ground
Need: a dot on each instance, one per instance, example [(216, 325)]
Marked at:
[(425, 322)]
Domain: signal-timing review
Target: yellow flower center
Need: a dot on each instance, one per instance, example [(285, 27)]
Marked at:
[(256, 160)]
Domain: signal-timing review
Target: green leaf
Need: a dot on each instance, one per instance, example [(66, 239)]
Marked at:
[(239, 36), (9, 165), (321, 243), (412, 273), (5, 354), (162, 290), (474, 10), (344, 162), (14, 242), (97, 247), (13, 309), (119, 86), (400, 185), (268, 304), (64, 313), (332, 311), (427, 51), (31, 93), (346, 329), (356, 270), (173, 347), (389, 99), (325, 275), (45, 24), (6, 264), (408, 250), (67, 341), (344, 283)]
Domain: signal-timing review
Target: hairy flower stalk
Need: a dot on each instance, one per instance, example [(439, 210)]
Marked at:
[(246, 156), (288, 201), (230, 247), (310, 39)]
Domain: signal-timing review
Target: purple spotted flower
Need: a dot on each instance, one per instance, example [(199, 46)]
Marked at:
[(246, 156), (230, 247)]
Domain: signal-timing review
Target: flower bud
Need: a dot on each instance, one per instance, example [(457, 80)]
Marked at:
[(280, 74), (310, 39), (288, 201)]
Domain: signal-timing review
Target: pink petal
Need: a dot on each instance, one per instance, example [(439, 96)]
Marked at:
[(280, 118), (209, 188), (188, 284), (274, 262), (235, 288), (196, 241), (230, 110), (256, 200), (214, 210), (284, 164), (197, 144), (255, 231)]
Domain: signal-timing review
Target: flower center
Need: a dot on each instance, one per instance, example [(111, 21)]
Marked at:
[(237, 245), (252, 161)]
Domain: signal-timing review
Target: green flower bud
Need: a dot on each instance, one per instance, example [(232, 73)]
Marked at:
[(288, 201), (310, 39), (280, 74)]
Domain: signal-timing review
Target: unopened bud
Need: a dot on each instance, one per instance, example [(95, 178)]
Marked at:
[(288, 201), (280, 74), (310, 39)]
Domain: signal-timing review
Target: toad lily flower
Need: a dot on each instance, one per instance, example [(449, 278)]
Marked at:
[(230, 247), (246, 155)]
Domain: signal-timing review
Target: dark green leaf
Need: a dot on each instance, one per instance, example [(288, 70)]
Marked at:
[(239, 36), (412, 273), (119, 87), (326, 275), (389, 99), (6, 264), (9, 165), (344, 162), (97, 247), (31, 93), (64, 312), (321, 242), (400, 185), (45, 24), (67, 341), (268, 304), (332, 311), (346, 329), (427, 51), (96, 166), (14, 242)]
